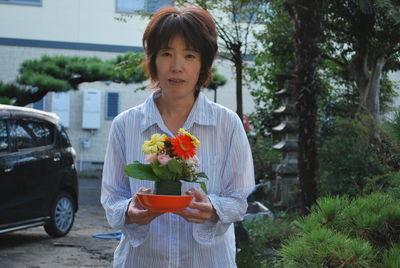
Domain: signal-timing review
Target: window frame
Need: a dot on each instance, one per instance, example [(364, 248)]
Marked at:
[(22, 2), (8, 138), (42, 101), (106, 115), (128, 12), (146, 7)]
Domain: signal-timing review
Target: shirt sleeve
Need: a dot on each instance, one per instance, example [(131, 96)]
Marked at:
[(238, 180), (115, 189)]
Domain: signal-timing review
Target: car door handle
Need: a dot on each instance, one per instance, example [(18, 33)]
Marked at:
[(8, 169), (57, 157)]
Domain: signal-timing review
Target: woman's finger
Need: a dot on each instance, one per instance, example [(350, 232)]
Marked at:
[(197, 194), (200, 206), (144, 190), (195, 220), (193, 214)]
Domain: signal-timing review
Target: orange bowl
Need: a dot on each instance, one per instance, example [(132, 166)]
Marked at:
[(164, 203)]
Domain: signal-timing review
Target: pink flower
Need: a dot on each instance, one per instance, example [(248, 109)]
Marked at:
[(163, 159), (150, 158)]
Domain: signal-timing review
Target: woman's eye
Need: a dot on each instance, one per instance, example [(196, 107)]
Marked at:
[(190, 56), (165, 54)]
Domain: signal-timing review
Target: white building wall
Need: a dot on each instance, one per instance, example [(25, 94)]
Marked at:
[(89, 21)]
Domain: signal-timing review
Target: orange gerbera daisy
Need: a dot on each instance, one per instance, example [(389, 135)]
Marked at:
[(183, 146)]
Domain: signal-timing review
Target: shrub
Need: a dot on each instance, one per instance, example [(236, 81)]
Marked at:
[(264, 157), (388, 183), (393, 127), (324, 248), (347, 157), (341, 232), (391, 257), (266, 236)]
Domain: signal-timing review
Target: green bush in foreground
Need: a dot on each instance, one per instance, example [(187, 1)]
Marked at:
[(339, 232), (266, 236), (391, 258)]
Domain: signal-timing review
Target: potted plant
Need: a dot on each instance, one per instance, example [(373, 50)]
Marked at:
[(169, 162)]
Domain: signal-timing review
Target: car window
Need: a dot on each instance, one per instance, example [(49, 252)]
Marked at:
[(3, 136), (44, 133), (22, 136), (27, 133), (64, 141)]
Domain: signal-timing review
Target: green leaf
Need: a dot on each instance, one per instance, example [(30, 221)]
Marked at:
[(203, 186), (174, 166), (161, 171), (140, 171), (201, 175)]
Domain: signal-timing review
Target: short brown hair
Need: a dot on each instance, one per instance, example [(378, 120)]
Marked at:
[(196, 26)]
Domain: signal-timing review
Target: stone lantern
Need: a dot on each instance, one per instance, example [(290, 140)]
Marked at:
[(287, 170)]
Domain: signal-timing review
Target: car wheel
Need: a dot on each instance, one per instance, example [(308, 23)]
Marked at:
[(62, 216)]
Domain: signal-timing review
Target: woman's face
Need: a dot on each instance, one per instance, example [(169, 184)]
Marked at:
[(178, 68)]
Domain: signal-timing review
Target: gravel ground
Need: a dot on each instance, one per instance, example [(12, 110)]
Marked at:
[(33, 248)]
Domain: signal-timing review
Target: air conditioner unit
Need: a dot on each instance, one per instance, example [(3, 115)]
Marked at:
[(91, 109)]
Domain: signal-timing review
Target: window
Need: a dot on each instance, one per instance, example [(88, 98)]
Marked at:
[(23, 139), (44, 133), (22, 2), (112, 105), (3, 136), (60, 102), (39, 104), (153, 5), (64, 141), (28, 134), (131, 6)]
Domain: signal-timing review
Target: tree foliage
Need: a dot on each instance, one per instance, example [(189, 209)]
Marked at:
[(217, 80), (37, 77), (339, 94), (363, 39)]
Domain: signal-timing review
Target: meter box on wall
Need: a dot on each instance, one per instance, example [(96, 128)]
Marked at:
[(91, 109)]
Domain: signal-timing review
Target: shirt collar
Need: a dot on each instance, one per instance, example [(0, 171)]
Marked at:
[(202, 113)]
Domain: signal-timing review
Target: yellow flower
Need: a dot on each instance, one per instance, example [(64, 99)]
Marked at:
[(154, 144), (195, 141)]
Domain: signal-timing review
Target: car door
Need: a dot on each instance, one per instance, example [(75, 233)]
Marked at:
[(9, 181), (35, 166)]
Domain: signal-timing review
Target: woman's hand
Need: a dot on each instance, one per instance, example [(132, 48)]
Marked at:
[(138, 214), (200, 210)]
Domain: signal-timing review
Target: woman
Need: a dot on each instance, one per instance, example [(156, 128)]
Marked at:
[(180, 47)]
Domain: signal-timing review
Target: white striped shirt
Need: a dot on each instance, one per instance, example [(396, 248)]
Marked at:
[(170, 241)]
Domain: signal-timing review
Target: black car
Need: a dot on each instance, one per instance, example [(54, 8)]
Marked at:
[(38, 180)]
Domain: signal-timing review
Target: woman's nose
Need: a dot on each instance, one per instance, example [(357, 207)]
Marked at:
[(177, 64)]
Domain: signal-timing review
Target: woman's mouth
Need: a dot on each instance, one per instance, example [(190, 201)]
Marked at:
[(176, 81)]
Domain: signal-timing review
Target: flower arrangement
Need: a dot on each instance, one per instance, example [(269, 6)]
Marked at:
[(170, 161)]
